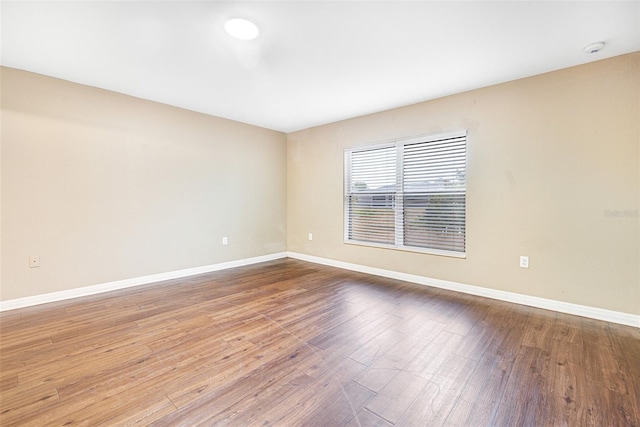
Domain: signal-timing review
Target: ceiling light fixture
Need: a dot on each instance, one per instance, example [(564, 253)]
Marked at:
[(241, 29), (594, 48)]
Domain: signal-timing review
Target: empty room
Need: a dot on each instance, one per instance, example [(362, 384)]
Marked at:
[(320, 213)]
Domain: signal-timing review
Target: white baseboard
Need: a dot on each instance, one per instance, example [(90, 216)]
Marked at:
[(560, 306), (548, 304), (127, 283)]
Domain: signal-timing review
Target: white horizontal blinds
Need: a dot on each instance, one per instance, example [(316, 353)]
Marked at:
[(434, 188), (410, 194), (370, 192)]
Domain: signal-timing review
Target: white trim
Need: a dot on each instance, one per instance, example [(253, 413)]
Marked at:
[(547, 304), (439, 252), (560, 306), (127, 283)]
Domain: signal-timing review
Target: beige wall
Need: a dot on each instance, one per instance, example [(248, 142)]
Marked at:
[(549, 159), (105, 187)]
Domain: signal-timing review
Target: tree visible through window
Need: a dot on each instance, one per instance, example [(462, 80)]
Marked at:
[(409, 194)]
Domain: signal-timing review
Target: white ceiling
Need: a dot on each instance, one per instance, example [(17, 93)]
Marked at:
[(315, 62)]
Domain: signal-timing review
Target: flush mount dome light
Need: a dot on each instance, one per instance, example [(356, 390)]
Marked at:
[(241, 29)]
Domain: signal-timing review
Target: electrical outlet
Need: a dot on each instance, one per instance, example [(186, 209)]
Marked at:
[(310, 236), (524, 261), (34, 261), (225, 241)]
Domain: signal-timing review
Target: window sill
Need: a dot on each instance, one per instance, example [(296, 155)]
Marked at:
[(438, 252)]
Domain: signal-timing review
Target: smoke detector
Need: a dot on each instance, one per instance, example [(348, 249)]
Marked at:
[(594, 48)]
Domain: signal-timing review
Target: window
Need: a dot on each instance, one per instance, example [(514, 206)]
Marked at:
[(409, 194)]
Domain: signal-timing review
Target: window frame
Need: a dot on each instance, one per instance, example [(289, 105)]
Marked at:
[(399, 193)]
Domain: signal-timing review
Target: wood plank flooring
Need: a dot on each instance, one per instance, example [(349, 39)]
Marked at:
[(290, 343)]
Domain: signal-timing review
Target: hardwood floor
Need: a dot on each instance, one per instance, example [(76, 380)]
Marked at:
[(290, 343)]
